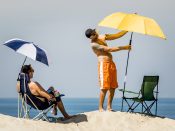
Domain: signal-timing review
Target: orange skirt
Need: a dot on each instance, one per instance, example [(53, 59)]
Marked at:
[(107, 74)]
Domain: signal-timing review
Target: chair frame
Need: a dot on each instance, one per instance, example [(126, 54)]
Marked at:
[(146, 109), (25, 108)]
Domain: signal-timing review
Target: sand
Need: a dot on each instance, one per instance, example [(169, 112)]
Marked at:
[(91, 121)]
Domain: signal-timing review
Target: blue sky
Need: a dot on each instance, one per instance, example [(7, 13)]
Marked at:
[(59, 26)]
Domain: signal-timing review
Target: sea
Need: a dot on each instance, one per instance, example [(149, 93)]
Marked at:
[(165, 106)]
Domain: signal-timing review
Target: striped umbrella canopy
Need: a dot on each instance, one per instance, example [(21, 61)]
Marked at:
[(28, 49)]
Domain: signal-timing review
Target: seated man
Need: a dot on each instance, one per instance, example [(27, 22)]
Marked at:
[(37, 90)]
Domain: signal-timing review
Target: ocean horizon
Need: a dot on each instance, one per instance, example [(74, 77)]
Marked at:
[(166, 106)]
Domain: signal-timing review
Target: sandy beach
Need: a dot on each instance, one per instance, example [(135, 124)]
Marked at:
[(91, 121)]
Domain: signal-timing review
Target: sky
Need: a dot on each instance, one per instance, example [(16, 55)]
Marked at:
[(58, 26)]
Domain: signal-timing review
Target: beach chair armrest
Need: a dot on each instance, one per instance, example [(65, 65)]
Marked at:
[(155, 91), (128, 91), (62, 95)]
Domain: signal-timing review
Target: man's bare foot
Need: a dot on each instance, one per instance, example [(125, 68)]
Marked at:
[(110, 109), (101, 110)]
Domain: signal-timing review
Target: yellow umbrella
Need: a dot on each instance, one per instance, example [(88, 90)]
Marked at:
[(133, 23)]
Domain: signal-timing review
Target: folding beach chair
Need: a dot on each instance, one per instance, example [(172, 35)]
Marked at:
[(147, 96), (28, 101)]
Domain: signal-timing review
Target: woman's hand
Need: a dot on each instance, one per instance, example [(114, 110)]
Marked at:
[(52, 98)]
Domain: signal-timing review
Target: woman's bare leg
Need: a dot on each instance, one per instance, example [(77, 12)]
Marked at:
[(62, 109)]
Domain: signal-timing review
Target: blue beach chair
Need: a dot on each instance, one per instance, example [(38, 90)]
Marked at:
[(28, 101)]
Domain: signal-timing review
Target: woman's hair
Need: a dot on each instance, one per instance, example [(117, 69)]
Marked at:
[(26, 68)]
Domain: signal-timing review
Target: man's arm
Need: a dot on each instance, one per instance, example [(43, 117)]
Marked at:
[(110, 49), (115, 36)]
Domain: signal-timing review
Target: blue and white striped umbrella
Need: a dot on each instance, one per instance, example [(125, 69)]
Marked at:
[(28, 49)]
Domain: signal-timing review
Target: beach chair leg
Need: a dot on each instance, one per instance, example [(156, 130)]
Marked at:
[(148, 108), (122, 104), (45, 117), (130, 107), (145, 108), (21, 109), (42, 116), (156, 109), (38, 117), (151, 107), (18, 105), (135, 106)]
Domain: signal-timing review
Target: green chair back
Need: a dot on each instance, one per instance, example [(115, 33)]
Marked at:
[(148, 86)]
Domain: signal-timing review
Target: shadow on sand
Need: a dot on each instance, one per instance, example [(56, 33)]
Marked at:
[(149, 115), (75, 119)]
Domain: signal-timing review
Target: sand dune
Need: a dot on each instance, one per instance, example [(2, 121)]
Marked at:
[(91, 121)]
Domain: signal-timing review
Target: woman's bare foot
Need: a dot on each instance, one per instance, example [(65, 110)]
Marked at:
[(67, 117)]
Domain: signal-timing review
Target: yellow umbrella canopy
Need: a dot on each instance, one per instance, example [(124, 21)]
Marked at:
[(133, 23)]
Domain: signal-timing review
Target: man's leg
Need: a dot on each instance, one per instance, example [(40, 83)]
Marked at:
[(110, 98), (62, 109), (102, 97)]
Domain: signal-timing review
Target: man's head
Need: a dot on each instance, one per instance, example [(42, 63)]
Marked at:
[(91, 33), (27, 69)]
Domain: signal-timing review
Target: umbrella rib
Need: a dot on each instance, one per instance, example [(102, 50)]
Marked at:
[(121, 22), (145, 27)]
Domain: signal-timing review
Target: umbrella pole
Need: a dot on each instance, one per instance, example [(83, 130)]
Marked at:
[(24, 61), (130, 42), (21, 67)]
